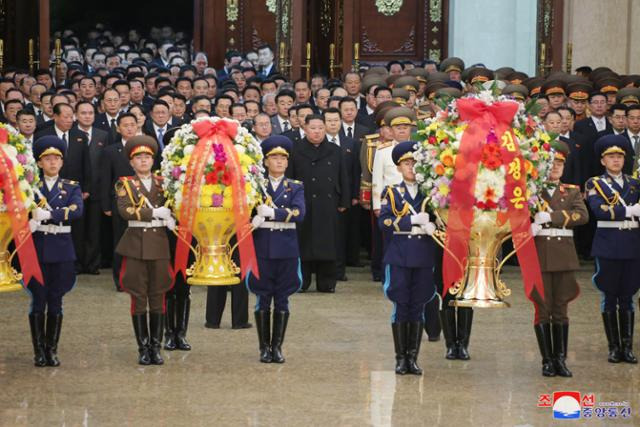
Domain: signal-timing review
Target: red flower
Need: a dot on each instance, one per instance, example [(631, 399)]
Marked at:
[(546, 146), (219, 167), (491, 158), (226, 178), (211, 178), (433, 140), (534, 149)]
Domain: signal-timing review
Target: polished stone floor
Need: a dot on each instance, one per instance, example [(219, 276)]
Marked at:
[(339, 368)]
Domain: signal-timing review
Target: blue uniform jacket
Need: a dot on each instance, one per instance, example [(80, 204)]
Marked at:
[(603, 195), (404, 250), (288, 203), (65, 200)]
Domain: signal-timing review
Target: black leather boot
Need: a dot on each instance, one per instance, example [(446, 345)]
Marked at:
[(170, 322), (626, 336), (465, 319), (543, 334), (36, 324), (560, 341), (155, 337), (448, 321), (141, 329), (414, 339), (610, 321), (400, 331), (52, 336), (432, 321), (263, 325), (280, 319), (183, 308)]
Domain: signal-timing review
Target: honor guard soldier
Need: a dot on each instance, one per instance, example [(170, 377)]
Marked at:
[(561, 210), (408, 259), (59, 203), (276, 242), (145, 246), (613, 198)]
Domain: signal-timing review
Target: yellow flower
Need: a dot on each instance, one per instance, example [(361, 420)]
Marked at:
[(185, 160), (545, 137), (447, 158), (19, 170), (432, 127), (441, 134), (444, 189), (245, 160)]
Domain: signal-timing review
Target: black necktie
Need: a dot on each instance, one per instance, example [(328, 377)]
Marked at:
[(113, 125), (64, 138), (349, 132), (286, 125)]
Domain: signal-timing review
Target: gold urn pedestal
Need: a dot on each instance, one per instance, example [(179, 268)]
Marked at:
[(481, 285), (10, 279), (213, 228)]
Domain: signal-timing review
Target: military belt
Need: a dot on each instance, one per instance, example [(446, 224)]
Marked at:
[(555, 232), (54, 229), (278, 225), (147, 224), (621, 225)]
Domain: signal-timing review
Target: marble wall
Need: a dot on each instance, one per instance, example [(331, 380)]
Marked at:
[(604, 33), (496, 33)]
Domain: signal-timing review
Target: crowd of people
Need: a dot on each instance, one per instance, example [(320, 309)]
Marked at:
[(108, 89)]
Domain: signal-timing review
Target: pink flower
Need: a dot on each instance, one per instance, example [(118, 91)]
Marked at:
[(22, 159), (176, 172), (216, 200)]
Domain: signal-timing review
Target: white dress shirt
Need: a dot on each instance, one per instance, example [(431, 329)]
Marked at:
[(412, 188), (50, 181), (335, 139), (601, 123), (385, 173)]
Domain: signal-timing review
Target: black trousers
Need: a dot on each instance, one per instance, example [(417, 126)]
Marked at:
[(217, 298), (325, 272), (341, 244), (119, 226), (85, 233), (352, 248), (365, 230)]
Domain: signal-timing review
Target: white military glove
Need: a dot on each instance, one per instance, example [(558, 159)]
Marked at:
[(535, 229), (170, 223), (420, 219), (266, 211), (41, 214), (633, 210), (161, 213), (542, 218), (429, 228), (33, 225), (257, 221)]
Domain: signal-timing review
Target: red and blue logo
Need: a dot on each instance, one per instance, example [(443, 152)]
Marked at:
[(566, 405)]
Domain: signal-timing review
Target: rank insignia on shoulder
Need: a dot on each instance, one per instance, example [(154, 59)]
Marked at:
[(575, 216), (122, 192), (131, 210), (604, 207), (388, 222)]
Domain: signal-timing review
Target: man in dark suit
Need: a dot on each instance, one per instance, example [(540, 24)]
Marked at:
[(157, 125), (573, 166), (302, 111), (88, 231), (107, 121), (348, 226), (280, 123), (265, 61), (632, 134), (320, 166), (114, 165), (355, 131)]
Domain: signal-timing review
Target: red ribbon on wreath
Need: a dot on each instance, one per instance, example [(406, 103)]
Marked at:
[(482, 119)]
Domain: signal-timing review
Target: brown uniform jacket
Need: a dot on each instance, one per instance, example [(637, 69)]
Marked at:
[(145, 243), (567, 210)]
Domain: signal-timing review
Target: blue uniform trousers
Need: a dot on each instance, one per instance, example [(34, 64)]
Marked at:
[(279, 278), (409, 289), (617, 280), (59, 278)]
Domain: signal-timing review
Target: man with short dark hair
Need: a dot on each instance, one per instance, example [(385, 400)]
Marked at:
[(320, 166), (280, 122)]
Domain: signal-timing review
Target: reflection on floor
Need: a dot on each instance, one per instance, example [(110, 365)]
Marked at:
[(339, 368)]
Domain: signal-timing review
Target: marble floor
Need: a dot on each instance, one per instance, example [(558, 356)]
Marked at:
[(339, 368)]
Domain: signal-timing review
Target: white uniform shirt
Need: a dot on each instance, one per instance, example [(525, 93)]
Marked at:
[(385, 173)]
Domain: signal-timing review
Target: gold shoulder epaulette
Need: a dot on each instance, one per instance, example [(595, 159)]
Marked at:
[(385, 145), (372, 136), (70, 182)]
